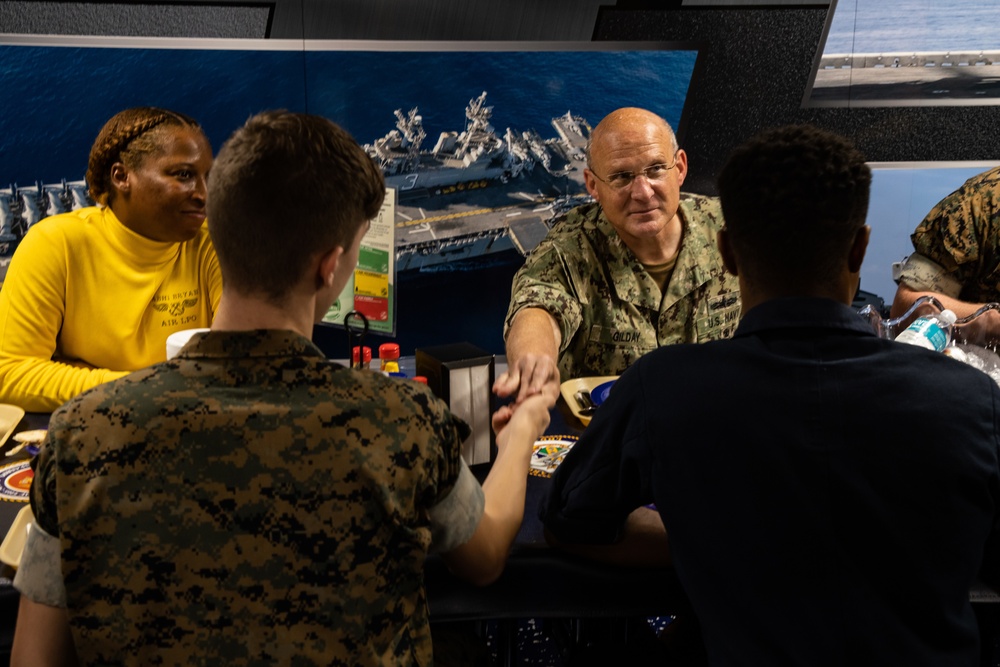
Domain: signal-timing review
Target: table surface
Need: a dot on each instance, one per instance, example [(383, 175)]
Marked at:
[(538, 581), (542, 582)]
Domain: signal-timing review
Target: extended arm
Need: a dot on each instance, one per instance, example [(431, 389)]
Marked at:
[(532, 350), (482, 558)]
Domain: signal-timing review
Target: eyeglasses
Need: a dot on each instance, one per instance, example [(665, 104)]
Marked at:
[(654, 173)]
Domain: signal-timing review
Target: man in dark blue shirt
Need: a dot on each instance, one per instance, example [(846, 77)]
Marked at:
[(829, 496)]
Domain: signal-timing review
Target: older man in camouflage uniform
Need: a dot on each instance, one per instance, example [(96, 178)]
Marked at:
[(957, 254), (635, 270), (250, 502)]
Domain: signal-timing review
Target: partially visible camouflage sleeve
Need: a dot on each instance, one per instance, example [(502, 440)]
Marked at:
[(43, 486), (551, 274), (248, 502), (924, 275), (39, 576), (456, 517), (609, 309), (962, 235)]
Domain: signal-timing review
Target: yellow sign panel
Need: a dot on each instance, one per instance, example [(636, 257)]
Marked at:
[(371, 284)]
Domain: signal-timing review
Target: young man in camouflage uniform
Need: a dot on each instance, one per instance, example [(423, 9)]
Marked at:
[(250, 502), (635, 270), (957, 254)]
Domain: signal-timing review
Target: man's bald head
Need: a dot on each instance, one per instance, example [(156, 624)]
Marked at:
[(626, 119)]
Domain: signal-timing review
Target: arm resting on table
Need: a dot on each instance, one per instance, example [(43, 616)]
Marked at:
[(920, 276), (983, 330), (906, 295), (32, 312), (643, 543), (42, 385)]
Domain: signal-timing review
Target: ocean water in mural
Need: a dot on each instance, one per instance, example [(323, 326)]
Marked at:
[(873, 26), (909, 53), (64, 94)]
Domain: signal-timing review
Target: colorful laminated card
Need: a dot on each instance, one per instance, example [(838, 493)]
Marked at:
[(371, 289)]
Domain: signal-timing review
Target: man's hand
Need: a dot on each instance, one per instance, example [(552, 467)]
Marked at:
[(530, 416), (532, 350), (530, 375)]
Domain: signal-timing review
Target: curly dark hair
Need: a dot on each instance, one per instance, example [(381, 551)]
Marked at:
[(284, 187), (128, 137), (793, 199)]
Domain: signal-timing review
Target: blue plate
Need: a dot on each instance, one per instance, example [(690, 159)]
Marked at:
[(599, 394)]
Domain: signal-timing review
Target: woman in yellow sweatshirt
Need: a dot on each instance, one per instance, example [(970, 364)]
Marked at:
[(92, 294)]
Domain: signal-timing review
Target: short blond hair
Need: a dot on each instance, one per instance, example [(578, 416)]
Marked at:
[(283, 187)]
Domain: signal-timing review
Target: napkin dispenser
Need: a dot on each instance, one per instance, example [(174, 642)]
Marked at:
[(461, 374)]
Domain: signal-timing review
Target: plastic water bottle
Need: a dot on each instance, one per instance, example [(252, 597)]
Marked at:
[(930, 331)]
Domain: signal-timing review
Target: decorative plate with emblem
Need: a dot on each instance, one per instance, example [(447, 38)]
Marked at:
[(549, 452), (15, 481)]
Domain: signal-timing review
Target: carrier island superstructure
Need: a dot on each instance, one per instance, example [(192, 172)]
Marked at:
[(476, 192)]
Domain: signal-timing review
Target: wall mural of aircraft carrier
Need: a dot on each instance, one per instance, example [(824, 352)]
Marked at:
[(474, 193), (22, 207), (478, 191)]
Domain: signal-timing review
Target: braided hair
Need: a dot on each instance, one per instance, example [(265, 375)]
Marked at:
[(128, 137)]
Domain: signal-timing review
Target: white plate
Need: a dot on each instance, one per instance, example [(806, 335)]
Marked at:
[(586, 385), (13, 545), (10, 417)]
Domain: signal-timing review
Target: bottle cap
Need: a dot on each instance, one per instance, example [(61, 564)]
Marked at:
[(948, 317), (388, 351)]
